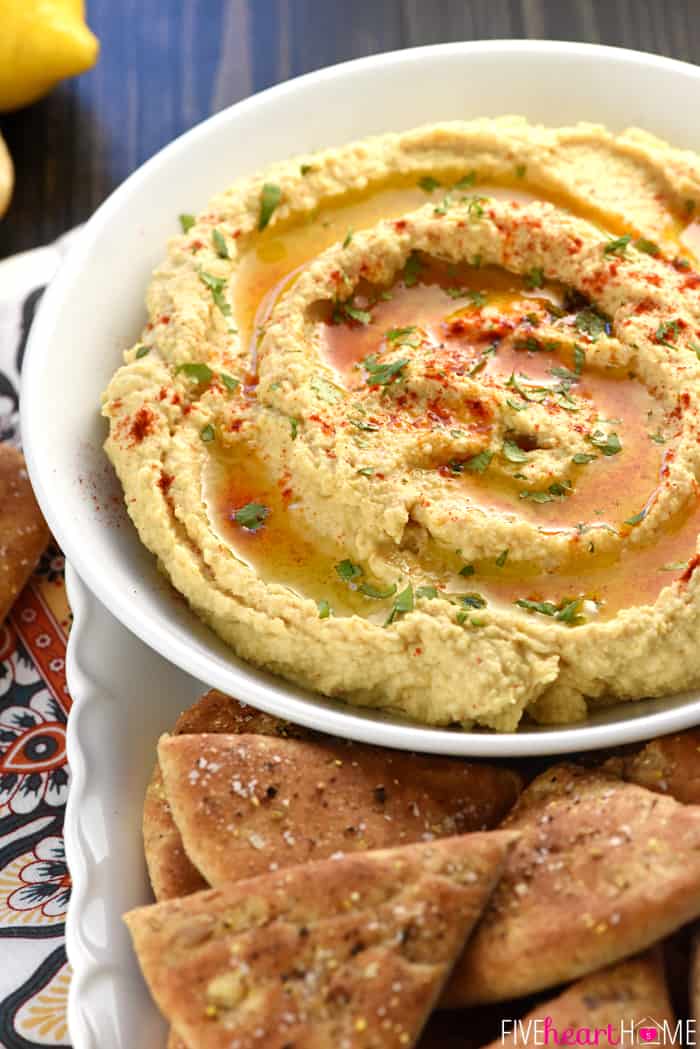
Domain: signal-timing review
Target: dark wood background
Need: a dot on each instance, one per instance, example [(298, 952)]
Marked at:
[(166, 64)]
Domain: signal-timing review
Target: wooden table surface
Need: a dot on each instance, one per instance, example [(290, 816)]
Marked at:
[(167, 64)]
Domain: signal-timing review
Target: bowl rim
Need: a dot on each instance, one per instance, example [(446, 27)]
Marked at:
[(346, 721)]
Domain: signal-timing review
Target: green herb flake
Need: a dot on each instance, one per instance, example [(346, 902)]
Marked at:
[(409, 336), (591, 323), (229, 382), (608, 443), (429, 593), (635, 519), (142, 351), (219, 243), (252, 516), (466, 181), (347, 571), (521, 170), (186, 222), (270, 196), (429, 184), (581, 458), (502, 558), (534, 278), (403, 603), (348, 238), (304, 169), (579, 359), (467, 570), (412, 269), (294, 428), (475, 208), (479, 463), (514, 453), (324, 609), (648, 247), (665, 332), (207, 434), (473, 600), (216, 286), (376, 592), (194, 370), (383, 374), (618, 245), (461, 618), (355, 313), (366, 471)]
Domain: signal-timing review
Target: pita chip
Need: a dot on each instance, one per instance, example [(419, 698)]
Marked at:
[(602, 870), (247, 804), (350, 952), (667, 765), (170, 871), (23, 531)]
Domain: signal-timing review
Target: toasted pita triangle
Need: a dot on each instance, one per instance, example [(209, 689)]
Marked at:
[(348, 952), (630, 992), (602, 870), (667, 765), (170, 871), (23, 531), (248, 804)]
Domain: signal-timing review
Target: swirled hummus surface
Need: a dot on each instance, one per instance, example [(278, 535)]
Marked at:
[(414, 422)]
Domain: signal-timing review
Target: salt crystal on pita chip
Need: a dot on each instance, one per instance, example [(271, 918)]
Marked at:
[(602, 870), (350, 952)]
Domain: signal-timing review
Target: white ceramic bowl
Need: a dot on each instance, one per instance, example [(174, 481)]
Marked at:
[(94, 309)]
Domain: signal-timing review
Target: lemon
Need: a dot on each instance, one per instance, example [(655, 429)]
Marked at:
[(41, 42), (7, 176)]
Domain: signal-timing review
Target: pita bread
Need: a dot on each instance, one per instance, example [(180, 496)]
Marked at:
[(248, 804), (170, 871), (630, 992), (602, 870), (350, 952), (668, 765), (23, 531)]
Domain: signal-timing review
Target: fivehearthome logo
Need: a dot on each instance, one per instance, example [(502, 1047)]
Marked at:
[(627, 1034)]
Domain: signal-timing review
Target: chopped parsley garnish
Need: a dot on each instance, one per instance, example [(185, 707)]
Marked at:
[(252, 516), (142, 352), (409, 336), (403, 603), (186, 222), (229, 382), (207, 434), (366, 471), (467, 570), (216, 286), (565, 611), (348, 238), (478, 463), (383, 374), (475, 208), (354, 313), (473, 600), (579, 359), (324, 609), (555, 491), (636, 518), (305, 169), (219, 244), (466, 181), (502, 558), (428, 592), (477, 298), (564, 373), (649, 247), (591, 323), (608, 443), (666, 331), (270, 196), (347, 571), (372, 591), (521, 170), (514, 453), (294, 428), (412, 269), (581, 458), (429, 184), (534, 278), (194, 370), (657, 438), (617, 246)]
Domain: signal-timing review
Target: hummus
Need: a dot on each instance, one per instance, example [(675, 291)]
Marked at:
[(414, 422)]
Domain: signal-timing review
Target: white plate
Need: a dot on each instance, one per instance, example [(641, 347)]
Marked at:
[(124, 697), (95, 308)]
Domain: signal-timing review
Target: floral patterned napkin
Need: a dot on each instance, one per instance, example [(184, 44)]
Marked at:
[(34, 708)]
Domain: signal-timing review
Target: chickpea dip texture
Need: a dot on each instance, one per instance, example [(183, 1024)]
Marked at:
[(414, 421)]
